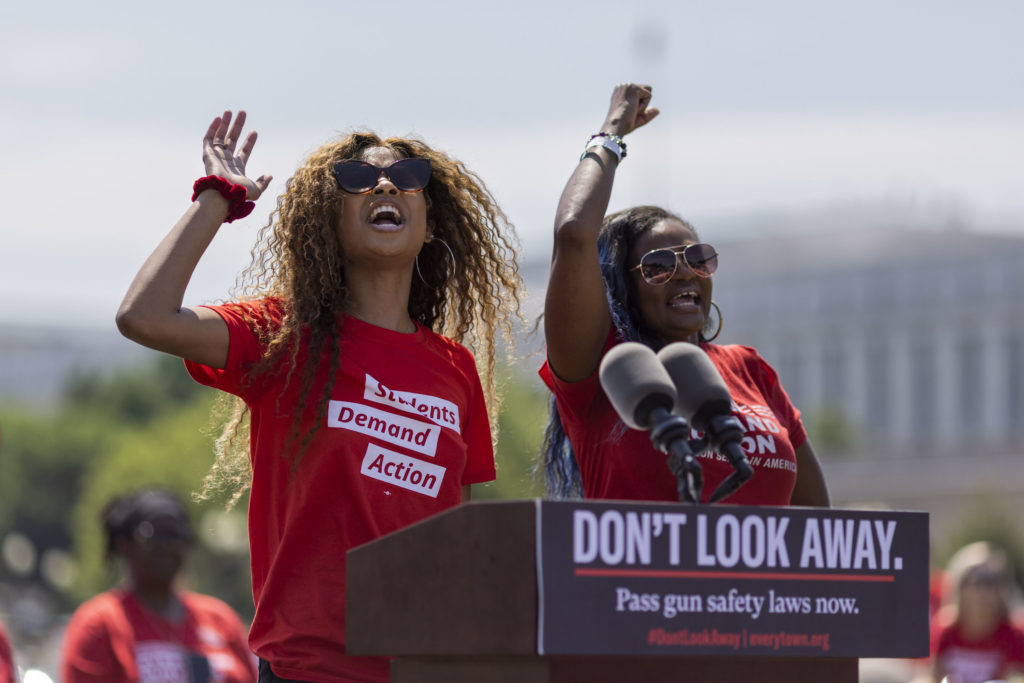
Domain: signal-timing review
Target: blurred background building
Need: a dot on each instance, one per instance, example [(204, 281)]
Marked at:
[(904, 348)]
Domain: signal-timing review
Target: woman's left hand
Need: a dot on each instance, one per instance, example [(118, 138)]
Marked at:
[(221, 159)]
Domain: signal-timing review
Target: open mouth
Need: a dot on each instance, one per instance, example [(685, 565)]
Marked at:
[(687, 298), (386, 215)]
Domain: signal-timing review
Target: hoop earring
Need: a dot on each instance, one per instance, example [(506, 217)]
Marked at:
[(719, 330), (417, 261)]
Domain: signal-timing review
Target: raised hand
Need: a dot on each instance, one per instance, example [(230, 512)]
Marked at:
[(628, 109), (221, 158)]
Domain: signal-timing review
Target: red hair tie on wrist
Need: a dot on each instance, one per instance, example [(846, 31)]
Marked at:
[(235, 194)]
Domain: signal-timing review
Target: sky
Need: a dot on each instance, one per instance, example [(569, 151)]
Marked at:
[(775, 115)]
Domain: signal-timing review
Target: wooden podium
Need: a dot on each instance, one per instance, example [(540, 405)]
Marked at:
[(457, 598)]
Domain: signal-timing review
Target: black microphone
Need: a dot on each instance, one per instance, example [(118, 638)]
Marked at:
[(703, 398), (643, 393)]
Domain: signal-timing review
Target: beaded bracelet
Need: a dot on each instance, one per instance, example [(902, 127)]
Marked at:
[(235, 194), (612, 143)]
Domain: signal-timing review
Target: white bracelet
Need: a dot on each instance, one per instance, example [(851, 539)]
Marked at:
[(613, 143)]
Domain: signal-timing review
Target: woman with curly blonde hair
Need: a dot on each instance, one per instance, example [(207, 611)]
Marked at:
[(973, 637), (365, 412)]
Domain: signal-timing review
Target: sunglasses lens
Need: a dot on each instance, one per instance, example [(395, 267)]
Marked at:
[(658, 266), (410, 175), (356, 177), (702, 259)]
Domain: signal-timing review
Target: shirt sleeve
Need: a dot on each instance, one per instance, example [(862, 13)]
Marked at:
[(244, 349), (576, 399), (88, 654)]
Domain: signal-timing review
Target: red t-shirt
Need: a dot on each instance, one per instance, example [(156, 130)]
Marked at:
[(620, 463), (406, 428), (963, 661), (112, 638), (6, 658)]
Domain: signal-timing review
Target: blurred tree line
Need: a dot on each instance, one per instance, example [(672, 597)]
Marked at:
[(148, 426)]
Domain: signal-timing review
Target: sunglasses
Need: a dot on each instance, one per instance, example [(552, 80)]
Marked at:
[(359, 177), (659, 265)]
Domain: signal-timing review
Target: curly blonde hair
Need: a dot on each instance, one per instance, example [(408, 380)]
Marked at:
[(299, 260), (979, 559)]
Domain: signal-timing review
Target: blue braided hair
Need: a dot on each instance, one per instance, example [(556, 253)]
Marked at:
[(619, 233)]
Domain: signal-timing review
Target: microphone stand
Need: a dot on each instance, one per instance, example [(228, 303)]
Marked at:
[(669, 433), (725, 432)]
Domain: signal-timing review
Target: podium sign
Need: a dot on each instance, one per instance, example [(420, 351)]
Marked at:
[(662, 579)]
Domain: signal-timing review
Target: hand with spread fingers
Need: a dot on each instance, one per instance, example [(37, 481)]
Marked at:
[(221, 158)]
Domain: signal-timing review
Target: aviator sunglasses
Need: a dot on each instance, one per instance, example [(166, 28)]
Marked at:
[(659, 265), (359, 177)]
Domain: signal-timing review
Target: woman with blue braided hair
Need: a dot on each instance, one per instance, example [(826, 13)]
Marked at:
[(643, 275)]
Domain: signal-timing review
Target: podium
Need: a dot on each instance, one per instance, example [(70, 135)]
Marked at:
[(544, 591)]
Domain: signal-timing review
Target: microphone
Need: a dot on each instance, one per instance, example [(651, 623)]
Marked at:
[(636, 383), (703, 398), (642, 393)]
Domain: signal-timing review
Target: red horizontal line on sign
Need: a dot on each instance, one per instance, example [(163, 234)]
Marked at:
[(680, 574)]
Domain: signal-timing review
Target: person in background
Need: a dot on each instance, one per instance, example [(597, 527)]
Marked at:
[(148, 630), (644, 275), (972, 637), (358, 409)]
